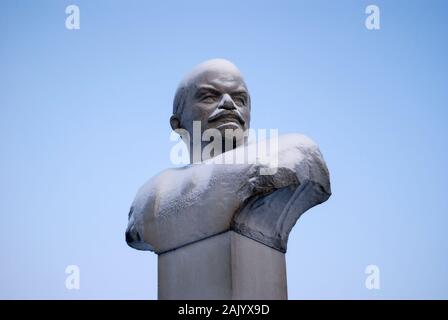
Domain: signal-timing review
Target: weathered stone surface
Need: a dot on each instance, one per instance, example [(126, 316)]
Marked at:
[(225, 266), (185, 205), (269, 218)]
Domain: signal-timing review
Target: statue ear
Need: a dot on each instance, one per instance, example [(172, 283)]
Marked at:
[(175, 122)]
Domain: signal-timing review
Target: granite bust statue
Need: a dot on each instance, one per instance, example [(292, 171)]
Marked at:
[(183, 205)]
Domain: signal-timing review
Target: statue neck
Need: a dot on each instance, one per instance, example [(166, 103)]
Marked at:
[(210, 149)]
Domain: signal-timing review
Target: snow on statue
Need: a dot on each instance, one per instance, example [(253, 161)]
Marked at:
[(228, 185)]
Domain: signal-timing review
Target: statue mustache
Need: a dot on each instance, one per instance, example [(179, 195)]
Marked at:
[(217, 114)]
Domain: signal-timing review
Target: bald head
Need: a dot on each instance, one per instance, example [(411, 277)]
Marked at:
[(208, 71), (212, 88)]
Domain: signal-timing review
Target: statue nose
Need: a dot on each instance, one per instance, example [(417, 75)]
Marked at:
[(226, 103)]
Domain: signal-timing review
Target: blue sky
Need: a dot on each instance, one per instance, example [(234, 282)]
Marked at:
[(84, 122)]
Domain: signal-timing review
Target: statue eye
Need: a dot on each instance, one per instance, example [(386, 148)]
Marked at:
[(240, 100), (208, 99)]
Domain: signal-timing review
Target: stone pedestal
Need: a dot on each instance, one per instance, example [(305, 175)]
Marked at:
[(224, 266)]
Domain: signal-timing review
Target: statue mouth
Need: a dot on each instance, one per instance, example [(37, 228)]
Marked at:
[(226, 117)]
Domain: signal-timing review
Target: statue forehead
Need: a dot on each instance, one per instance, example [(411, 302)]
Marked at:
[(217, 72)]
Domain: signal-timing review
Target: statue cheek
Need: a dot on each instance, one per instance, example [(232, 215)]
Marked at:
[(191, 113), (246, 116), (203, 111)]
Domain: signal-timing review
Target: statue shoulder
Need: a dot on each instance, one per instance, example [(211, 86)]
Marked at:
[(162, 190), (301, 154), (269, 218), (147, 204), (297, 141)]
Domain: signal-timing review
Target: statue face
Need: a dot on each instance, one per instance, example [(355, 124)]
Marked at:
[(217, 97)]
